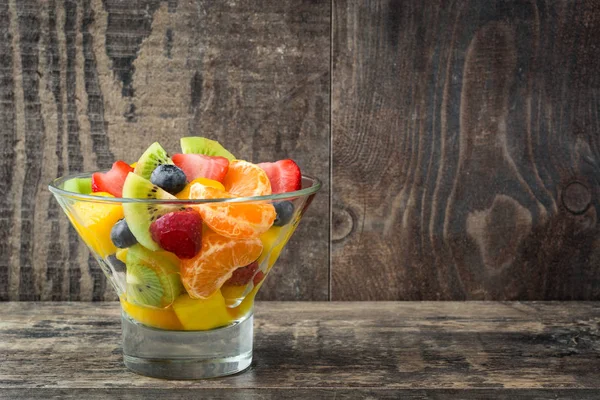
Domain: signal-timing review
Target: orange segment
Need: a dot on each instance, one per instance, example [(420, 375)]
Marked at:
[(234, 220), (219, 257), (185, 193), (245, 179)]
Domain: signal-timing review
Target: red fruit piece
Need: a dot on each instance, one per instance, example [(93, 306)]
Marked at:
[(243, 275), (285, 175), (258, 277), (201, 166), (179, 232), (113, 180)]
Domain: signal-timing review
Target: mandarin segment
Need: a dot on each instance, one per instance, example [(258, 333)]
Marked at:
[(185, 193), (245, 179), (216, 261), (234, 220)]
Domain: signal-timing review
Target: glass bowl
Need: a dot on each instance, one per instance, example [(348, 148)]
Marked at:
[(166, 332)]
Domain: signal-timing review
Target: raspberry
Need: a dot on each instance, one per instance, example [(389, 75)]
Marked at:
[(258, 278), (243, 275), (179, 232)]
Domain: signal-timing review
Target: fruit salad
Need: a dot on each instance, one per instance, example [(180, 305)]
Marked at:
[(190, 251)]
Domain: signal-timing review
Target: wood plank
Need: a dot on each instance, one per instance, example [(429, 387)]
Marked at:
[(300, 394), (83, 83), (7, 147), (465, 151), (350, 349)]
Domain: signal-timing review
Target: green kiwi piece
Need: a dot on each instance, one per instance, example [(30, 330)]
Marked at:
[(152, 277), (78, 185), (163, 259), (202, 145), (143, 286), (139, 216), (154, 156)]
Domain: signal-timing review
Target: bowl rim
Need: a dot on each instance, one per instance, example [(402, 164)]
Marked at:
[(55, 189)]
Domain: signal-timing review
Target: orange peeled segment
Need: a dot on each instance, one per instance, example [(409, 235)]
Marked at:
[(204, 274), (245, 179), (234, 220), (185, 193)]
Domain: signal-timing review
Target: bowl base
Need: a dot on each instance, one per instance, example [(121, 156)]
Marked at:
[(187, 354), (188, 369)]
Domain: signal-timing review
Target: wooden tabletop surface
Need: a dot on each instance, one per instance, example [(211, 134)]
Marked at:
[(413, 350)]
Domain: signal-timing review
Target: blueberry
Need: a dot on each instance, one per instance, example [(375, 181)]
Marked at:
[(169, 178), (118, 265), (285, 212), (121, 236)]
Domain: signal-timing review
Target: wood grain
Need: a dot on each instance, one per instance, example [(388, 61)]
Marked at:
[(301, 394), (465, 150), (414, 350), (83, 83)]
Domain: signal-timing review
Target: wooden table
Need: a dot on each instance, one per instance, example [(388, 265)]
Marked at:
[(390, 350)]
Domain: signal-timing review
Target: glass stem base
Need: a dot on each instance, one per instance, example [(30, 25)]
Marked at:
[(187, 354)]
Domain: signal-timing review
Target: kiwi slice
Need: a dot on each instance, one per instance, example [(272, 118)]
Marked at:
[(152, 277), (78, 185), (202, 145), (154, 156), (139, 216)]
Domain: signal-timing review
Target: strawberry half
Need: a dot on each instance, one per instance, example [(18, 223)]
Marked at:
[(113, 180), (200, 166), (179, 232), (243, 275), (285, 175)]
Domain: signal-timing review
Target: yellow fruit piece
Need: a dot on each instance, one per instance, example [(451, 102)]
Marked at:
[(232, 293), (162, 318), (202, 314), (132, 165), (185, 193), (93, 221), (246, 305), (274, 240), (122, 255)]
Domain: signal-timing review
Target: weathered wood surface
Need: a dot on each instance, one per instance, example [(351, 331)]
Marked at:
[(464, 134), (415, 350), (300, 394), (465, 150), (83, 83)]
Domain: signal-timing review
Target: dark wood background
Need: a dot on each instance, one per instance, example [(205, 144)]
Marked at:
[(458, 140)]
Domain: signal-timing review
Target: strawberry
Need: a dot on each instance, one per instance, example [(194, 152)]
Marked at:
[(243, 275), (284, 175), (179, 232), (201, 166), (113, 180)]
